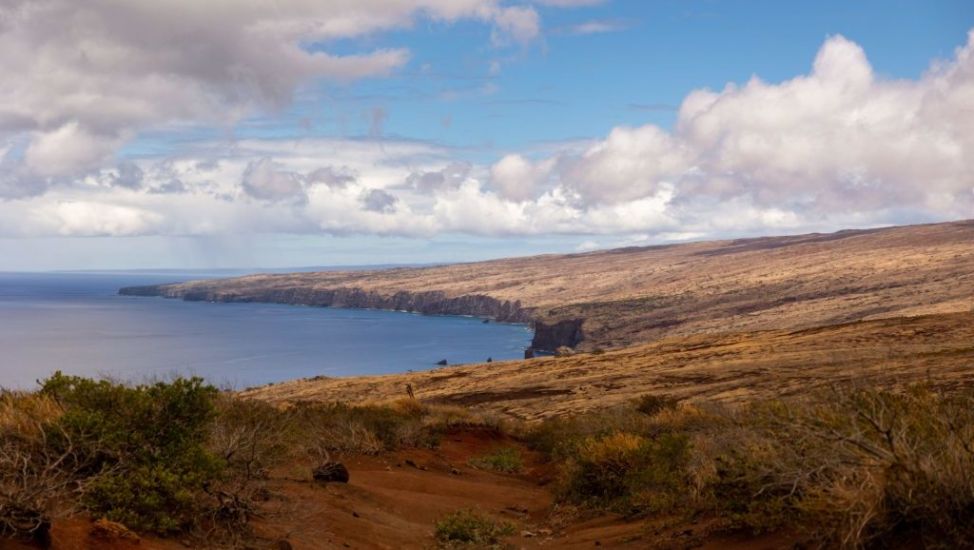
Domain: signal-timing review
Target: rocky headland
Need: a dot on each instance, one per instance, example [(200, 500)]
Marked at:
[(617, 298)]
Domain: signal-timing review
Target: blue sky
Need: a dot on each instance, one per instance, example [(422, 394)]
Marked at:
[(560, 125), (570, 86)]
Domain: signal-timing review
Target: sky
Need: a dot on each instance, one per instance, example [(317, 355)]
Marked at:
[(246, 133)]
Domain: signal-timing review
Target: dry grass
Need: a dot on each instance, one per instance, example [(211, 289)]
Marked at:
[(729, 367), (849, 467), (637, 295), (35, 475)]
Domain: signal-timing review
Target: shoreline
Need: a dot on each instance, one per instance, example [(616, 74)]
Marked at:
[(546, 337)]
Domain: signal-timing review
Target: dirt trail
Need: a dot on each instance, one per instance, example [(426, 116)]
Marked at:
[(393, 501)]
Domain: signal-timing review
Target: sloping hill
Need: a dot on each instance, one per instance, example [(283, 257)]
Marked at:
[(620, 297), (728, 367)]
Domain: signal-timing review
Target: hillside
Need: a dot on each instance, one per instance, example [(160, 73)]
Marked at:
[(728, 367), (616, 298)]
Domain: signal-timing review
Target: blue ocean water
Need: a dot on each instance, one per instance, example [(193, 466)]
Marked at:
[(76, 323)]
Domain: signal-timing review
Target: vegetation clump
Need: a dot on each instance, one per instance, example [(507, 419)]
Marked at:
[(178, 457), (142, 446), (506, 460), (470, 528), (850, 467)]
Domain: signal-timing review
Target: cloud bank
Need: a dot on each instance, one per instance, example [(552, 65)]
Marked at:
[(83, 78), (839, 146)]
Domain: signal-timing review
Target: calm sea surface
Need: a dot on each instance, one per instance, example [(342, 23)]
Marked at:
[(78, 324)]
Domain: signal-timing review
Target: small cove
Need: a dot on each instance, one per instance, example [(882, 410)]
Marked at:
[(77, 323)]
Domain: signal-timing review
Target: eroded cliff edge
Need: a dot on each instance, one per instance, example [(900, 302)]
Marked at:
[(617, 298), (547, 337)]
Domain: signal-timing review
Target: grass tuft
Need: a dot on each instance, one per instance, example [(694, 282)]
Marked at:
[(506, 460), (470, 528)]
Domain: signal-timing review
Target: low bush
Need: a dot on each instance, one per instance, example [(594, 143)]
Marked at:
[(142, 446), (850, 467), (470, 528), (505, 460), (652, 404), (34, 477)]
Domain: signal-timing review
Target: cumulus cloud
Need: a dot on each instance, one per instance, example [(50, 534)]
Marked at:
[(569, 3), (449, 177), (266, 180), (83, 78), (517, 24), (377, 200), (517, 178), (331, 176), (839, 139), (839, 146), (129, 175)]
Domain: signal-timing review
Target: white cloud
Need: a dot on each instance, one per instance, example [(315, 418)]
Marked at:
[(66, 150), (569, 3), (82, 78), (839, 139), (598, 26), (518, 24), (517, 178), (377, 200), (837, 147), (266, 180)]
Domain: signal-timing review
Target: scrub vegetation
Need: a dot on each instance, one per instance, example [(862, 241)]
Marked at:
[(846, 467)]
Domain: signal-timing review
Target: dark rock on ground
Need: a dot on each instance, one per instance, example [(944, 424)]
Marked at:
[(329, 472)]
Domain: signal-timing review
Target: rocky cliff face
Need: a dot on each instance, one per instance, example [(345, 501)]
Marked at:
[(547, 337), (431, 303)]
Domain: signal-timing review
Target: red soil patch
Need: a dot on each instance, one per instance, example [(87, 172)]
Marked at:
[(394, 500)]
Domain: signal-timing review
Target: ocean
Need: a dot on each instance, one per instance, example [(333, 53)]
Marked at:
[(78, 324)]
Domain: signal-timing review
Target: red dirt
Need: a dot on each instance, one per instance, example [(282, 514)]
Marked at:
[(394, 500)]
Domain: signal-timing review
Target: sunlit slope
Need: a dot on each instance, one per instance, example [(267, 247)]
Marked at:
[(634, 295)]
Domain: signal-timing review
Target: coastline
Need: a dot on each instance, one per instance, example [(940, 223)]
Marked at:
[(546, 339)]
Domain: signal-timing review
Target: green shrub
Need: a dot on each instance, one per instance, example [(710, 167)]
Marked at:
[(143, 447), (471, 528), (506, 460), (628, 472)]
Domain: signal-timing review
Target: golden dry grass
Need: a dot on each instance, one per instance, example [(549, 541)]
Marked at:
[(637, 295), (728, 367)]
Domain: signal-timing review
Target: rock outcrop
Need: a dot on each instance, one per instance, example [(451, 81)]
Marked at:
[(548, 337), (430, 302)]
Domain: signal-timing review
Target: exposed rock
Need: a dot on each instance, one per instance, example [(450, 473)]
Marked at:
[(564, 351), (331, 472), (550, 337), (107, 530), (429, 302), (442, 362)]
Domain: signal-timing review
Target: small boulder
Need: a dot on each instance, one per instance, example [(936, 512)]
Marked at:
[(442, 362), (564, 351), (331, 472)]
